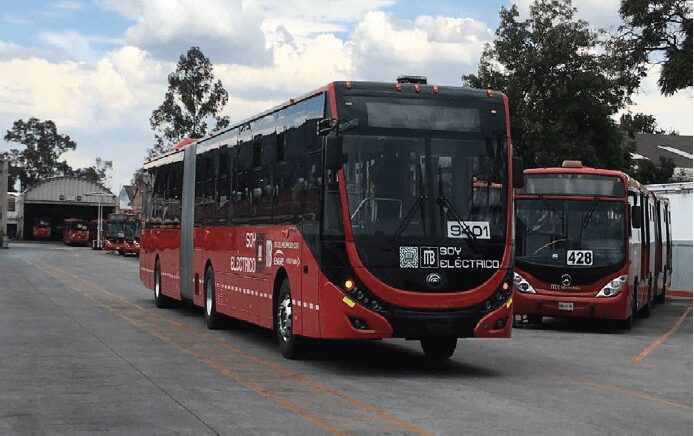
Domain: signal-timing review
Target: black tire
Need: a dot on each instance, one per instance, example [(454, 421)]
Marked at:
[(160, 300), (212, 318), (628, 323), (291, 346), (438, 348), (660, 298), (645, 311), (535, 319)]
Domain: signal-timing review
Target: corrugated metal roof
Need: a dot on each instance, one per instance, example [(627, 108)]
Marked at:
[(68, 190)]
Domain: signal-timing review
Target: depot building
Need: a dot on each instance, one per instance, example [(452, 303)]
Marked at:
[(58, 198)]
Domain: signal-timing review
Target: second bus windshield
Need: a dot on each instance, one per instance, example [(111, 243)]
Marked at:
[(547, 229)]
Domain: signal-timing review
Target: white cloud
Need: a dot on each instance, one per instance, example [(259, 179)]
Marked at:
[(599, 13), (225, 30), (672, 113), (441, 48)]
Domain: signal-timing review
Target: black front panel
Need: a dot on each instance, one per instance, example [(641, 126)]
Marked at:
[(426, 181)]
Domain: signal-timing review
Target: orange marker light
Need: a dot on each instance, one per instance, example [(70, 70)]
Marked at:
[(505, 286), (349, 285)]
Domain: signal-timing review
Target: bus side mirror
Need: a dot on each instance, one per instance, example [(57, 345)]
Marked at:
[(333, 152), (636, 217), (518, 178), (325, 126)]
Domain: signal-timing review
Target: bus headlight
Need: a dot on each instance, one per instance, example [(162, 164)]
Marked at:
[(613, 288), (522, 285)]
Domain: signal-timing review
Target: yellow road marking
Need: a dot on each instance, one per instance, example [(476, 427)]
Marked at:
[(331, 410), (653, 345), (616, 389)]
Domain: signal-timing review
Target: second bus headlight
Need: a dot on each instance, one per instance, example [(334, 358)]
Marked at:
[(522, 285), (613, 288)]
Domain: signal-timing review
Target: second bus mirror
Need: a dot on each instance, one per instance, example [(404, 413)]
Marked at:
[(636, 217), (333, 152), (518, 178)]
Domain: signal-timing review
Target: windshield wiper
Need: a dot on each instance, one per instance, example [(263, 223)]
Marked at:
[(403, 225), (450, 211), (586, 220), (410, 213)]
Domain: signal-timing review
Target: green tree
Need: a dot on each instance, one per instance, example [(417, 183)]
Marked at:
[(43, 147), (97, 173), (647, 172), (563, 87), (658, 31), (639, 123), (193, 100)]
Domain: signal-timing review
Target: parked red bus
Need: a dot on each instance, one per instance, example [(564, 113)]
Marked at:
[(133, 231), (41, 229), (75, 232), (115, 232), (361, 210), (585, 245)]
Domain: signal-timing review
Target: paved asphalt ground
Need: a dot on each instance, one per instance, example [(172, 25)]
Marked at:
[(84, 350)]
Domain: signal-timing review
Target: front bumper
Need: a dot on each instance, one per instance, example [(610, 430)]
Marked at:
[(583, 306), (339, 312)]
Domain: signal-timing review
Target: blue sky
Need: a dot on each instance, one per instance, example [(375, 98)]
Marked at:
[(98, 67)]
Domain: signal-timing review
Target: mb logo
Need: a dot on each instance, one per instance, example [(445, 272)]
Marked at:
[(429, 257)]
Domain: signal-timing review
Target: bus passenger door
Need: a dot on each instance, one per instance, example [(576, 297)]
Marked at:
[(635, 262)]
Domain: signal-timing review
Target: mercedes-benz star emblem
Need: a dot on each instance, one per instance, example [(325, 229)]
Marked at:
[(434, 280), (566, 280)]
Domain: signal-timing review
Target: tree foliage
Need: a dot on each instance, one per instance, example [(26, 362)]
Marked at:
[(193, 100), (647, 172), (658, 31), (97, 173), (563, 86), (43, 147), (639, 123)]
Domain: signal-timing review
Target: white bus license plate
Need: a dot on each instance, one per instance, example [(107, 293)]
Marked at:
[(566, 306)]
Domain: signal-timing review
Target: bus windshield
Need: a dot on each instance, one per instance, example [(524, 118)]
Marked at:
[(554, 232), (415, 190)]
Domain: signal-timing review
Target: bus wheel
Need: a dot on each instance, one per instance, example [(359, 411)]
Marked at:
[(660, 298), (291, 346), (535, 319), (646, 309), (212, 318), (160, 300), (439, 348)]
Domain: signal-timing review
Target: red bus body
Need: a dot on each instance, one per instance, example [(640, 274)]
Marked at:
[(133, 231), (41, 229), (338, 288), (75, 232), (114, 232), (628, 267)]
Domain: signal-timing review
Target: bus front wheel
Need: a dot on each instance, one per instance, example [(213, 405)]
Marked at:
[(212, 318), (160, 300), (291, 346), (438, 348)]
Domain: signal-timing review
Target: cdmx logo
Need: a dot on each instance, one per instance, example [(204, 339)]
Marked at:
[(566, 280)]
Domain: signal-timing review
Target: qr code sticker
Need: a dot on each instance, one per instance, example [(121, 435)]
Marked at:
[(409, 257)]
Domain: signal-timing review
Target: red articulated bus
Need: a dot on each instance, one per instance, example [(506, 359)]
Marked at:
[(75, 232), (41, 229), (115, 232), (361, 210), (133, 231), (586, 245)]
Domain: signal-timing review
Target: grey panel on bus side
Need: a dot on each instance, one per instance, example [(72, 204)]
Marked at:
[(187, 215)]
